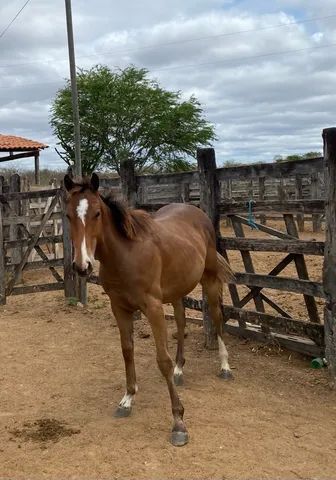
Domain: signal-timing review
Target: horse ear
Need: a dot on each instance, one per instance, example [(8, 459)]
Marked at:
[(94, 182), (68, 183)]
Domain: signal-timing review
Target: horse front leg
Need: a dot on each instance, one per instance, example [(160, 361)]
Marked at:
[(125, 324), (179, 314), (154, 313)]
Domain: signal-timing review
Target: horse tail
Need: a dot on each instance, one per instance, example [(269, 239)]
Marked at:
[(225, 273)]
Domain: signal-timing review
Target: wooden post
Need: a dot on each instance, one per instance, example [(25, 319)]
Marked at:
[(2, 254), (329, 265), (314, 193), (37, 167), (130, 194), (185, 192), (14, 230), (69, 277), (227, 190), (128, 182), (298, 196), (262, 198), (209, 187)]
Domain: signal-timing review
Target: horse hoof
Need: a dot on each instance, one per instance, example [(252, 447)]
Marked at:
[(122, 412), (225, 375), (178, 439), (178, 380)]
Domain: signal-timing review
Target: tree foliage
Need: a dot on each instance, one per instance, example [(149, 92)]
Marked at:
[(294, 158), (124, 114)]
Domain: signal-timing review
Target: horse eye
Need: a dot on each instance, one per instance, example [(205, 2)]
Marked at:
[(68, 216), (97, 215)]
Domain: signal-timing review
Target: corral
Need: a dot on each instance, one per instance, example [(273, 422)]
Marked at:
[(67, 371)]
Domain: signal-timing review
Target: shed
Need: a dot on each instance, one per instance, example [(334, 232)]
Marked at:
[(19, 147)]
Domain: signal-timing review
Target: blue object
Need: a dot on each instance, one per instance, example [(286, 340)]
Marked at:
[(250, 218)]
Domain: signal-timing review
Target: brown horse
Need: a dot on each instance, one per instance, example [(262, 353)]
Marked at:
[(146, 261)]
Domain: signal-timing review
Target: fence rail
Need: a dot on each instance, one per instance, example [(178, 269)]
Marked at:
[(290, 191)]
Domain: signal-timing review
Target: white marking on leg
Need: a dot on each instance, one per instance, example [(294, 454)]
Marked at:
[(178, 370), (126, 401), (82, 209), (223, 354)]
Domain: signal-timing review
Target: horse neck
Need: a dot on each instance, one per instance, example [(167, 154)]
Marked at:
[(111, 248)]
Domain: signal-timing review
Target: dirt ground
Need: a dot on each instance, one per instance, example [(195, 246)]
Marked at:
[(62, 376)]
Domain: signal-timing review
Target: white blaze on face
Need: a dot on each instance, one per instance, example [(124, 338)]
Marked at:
[(82, 209)]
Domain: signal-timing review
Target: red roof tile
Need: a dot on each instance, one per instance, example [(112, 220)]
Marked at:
[(18, 144)]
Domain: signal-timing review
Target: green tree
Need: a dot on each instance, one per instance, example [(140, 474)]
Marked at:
[(124, 114)]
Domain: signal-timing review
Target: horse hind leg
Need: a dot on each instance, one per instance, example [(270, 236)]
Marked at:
[(213, 288), (179, 314)]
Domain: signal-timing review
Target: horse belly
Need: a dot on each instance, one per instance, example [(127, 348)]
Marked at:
[(177, 282)]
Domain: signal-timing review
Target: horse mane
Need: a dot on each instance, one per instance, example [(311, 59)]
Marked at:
[(131, 224)]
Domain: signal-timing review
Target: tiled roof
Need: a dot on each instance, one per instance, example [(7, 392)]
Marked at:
[(18, 144)]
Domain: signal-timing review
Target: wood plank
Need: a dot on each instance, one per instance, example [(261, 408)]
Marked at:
[(275, 306), (36, 246), (232, 288), (329, 265), (279, 324), (8, 197), (262, 197), (280, 283), (68, 273), (41, 241), (275, 271), (209, 195), (254, 332), (299, 195), (14, 231), (48, 287), (288, 206), (265, 229), (168, 178), (39, 265), (128, 182), (314, 192), (296, 344), (270, 245), (30, 247), (302, 270), (17, 156), (271, 170), (2, 255), (247, 261), (33, 219)]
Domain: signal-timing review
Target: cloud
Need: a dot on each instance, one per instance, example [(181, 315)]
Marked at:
[(267, 90)]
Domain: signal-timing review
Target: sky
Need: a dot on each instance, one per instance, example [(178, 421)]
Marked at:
[(264, 72)]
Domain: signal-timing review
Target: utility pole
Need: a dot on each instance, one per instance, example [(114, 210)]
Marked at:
[(74, 93)]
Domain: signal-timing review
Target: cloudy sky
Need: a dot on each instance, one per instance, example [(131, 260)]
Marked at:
[(265, 72)]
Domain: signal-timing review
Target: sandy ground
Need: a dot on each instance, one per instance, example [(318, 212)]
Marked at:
[(63, 365), (62, 376)]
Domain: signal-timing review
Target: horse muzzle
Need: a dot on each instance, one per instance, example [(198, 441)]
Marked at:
[(83, 272)]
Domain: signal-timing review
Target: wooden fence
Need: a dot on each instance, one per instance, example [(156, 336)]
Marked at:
[(28, 241), (308, 336), (303, 179)]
